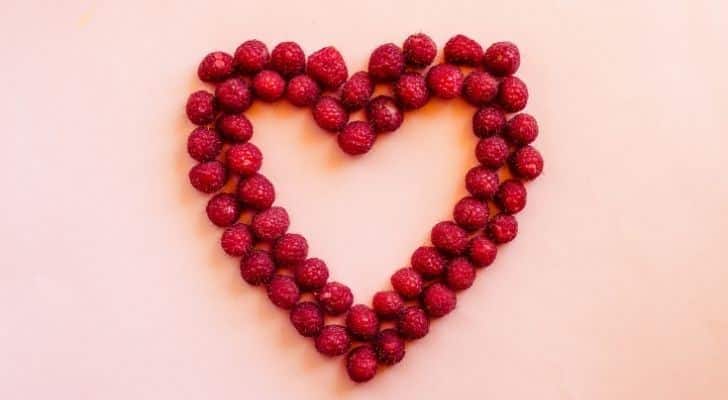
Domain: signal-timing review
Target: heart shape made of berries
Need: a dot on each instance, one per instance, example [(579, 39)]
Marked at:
[(425, 290)]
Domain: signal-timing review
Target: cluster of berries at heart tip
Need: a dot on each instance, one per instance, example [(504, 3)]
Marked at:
[(278, 260)]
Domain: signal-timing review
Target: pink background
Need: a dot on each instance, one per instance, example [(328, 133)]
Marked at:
[(112, 284)]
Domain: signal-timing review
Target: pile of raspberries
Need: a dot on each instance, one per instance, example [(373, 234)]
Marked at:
[(278, 260)]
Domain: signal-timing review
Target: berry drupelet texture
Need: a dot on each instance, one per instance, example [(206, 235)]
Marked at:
[(462, 50), (512, 94), (223, 209), (522, 129), (511, 196), (244, 159), (384, 114), (502, 58), (411, 91), (361, 363), (413, 323), (526, 163), (288, 59), (327, 67), (502, 228), (482, 251), (208, 177), (307, 318), (460, 274), (356, 138), (438, 300), (489, 121), (389, 346), (355, 93), (419, 50), (387, 304), (256, 192), (235, 128), (201, 107), (251, 57), (428, 261), (445, 81), (311, 274), (482, 182), (204, 144), (302, 91), (237, 240), (234, 95), (335, 298), (215, 67), (492, 151), (329, 114), (362, 322), (333, 340), (257, 267), (470, 213), (283, 292), (407, 282), (269, 85), (290, 249), (386, 63), (479, 88), (270, 224), (449, 238)]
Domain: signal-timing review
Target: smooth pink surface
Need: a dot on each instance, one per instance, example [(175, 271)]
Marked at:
[(113, 286)]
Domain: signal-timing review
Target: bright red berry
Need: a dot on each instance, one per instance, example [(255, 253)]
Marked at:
[(482, 251), (462, 50), (460, 274), (237, 240), (302, 91), (387, 304), (329, 114), (479, 88), (269, 85), (386, 63), (290, 249), (389, 347), (411, 91), (332, 340), (235, 127), (445, 81), (311, 274), (470, 213), (419, 50), (208, 177), (428, 261), (307, 318), (407, 283), (288, 59), (356, 138), (413, 323), (362, 322), (335, 298), (482, 182), (449, 238), (522, 129), (502, 58), (270, 224), (356, 91), (204, 144), (251, 57), (512, 94), (327, 67), (256, 192), (384, 114), (489, 121), (243, 158), (502, 228), (233, 95), (438, 300), (283, 292), (492, 151), (215, 67), (257, 267), (526, 163), (201, 107), (223, 209), (511, 196), (361, 363)]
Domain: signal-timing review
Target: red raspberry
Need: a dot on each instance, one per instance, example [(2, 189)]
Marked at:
[(438, 300), (288, 59), (428, 262), (449, 238), (223, 209), (257, 267), (269, 85), (329, 114), (332, 340), (419, 50), (356, 91), (492, 151), (522, 129), (251, 57), (479, 88), (411, 91), (356, 138), (201, 107), (488, 121), (291, 248), (445, 81), (256, 192), (387, 304), (386, 63), (270, 224), (511, 196), (526, 163), (407, 283), (234, 95), (361, 363), (384, 114), (413, 323), (307, 318), (502, 228), (311, 274), (283, 292), (215, 67), (512, 94), (327, 67), (204, 144), (482, 251), (335, 298), (482, 182), (302, 91), (208, 177), (502, 58), (235, 127), (462, 50), (389, 347), (237, 240), (243, 158), (470, 213), (362, 322), (460, 274)]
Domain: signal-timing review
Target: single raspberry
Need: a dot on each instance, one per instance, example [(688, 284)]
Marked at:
[(502, 58), (270, 224), (389, 347), (335, 298), (361, 363), (311, 274), (449, 238), (384, 114), (332, 340), (233, 95), (288, 59), (362, 322), (410, 90), (413, 323), (489, 121), (329, 114), (291, 248), (502, 228), (511, 196), (482, 182), (235, 127), (204, 144), (327, 67), (256, 192), (257, 267), (445, 81), (208, 177), (201, 107), (243, 158), (251, 57), (462, 50), (302, 91), (479, 88), (283, 292), (526, 162), (387, 304), (356, 91), (482, 251), (269, 85), (438, 300), (407, 282), (428, 261), (215, 67), (356, 138), (223, 209), (386, 63), (237, 240), (492, 151), (512, 94), (307, 318), (522, 129), (470, 213), (460, 274), (419, 50)]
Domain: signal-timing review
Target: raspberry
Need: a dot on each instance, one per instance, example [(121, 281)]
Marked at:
[(307, 318), (438, 300), (479, 88), (327, 67), (502, 228), (235, 127), (488, 121), (208, 177), (413, 323), (223, 209), (502, 58), (283, 292), (361, 363), (512, 94), (470, 213), (288, 59), (407, 283), (462, 50), (362, 322), (251, 57), (215, 67), (511, 196), (270, 224), (482, 251), (482, 182), (445, 81), (332, 340), (243, 158), (460, 274), (256, 191), (449, 238), (411, 91), (302, 91), (428, 262), (329, 114), (389, 347), (201, 107), (384, 114), (386, 63), (269, 85), (356, 138), (419, 50), (237, 240), (311, 274), (387, 304), (492, 152), (291, 248), (526, 162), (522, 129), (257, 267), (335, 298), (356, 91), (204, 144), (234, 95)]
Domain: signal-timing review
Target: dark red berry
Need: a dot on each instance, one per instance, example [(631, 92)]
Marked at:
[(311, 274), (356, 138), (332, 340), (502, 58), (460, 274), (489, 121), (302, 91), (288, 59), (470, 213), (512, 94), (526, 163), (327, 67), (386, 63), (215, 67), (335, 298), (522, 129), (251, 57), (329, 114), (410, 90), (256, 192), (407, 282), (307, 318), (479, 88), (356, 91), (201, 107), (511, 196), (502, 228), (283, 292), (384, 114), (389, 347), (449, 238), (204, 144), (223, 209), (234, 95), (257, 267), (237, 240), (482, 252), (419, 50), (482, 182), (208, 177), (269, 85), (244, 159), (387, 304), (428, 261), (438, 300), (492, 151), (462, 50), (362, 322), (413, 323), (270, 224), (235, 127), (289, 249), (361, 363), (445, 81)]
